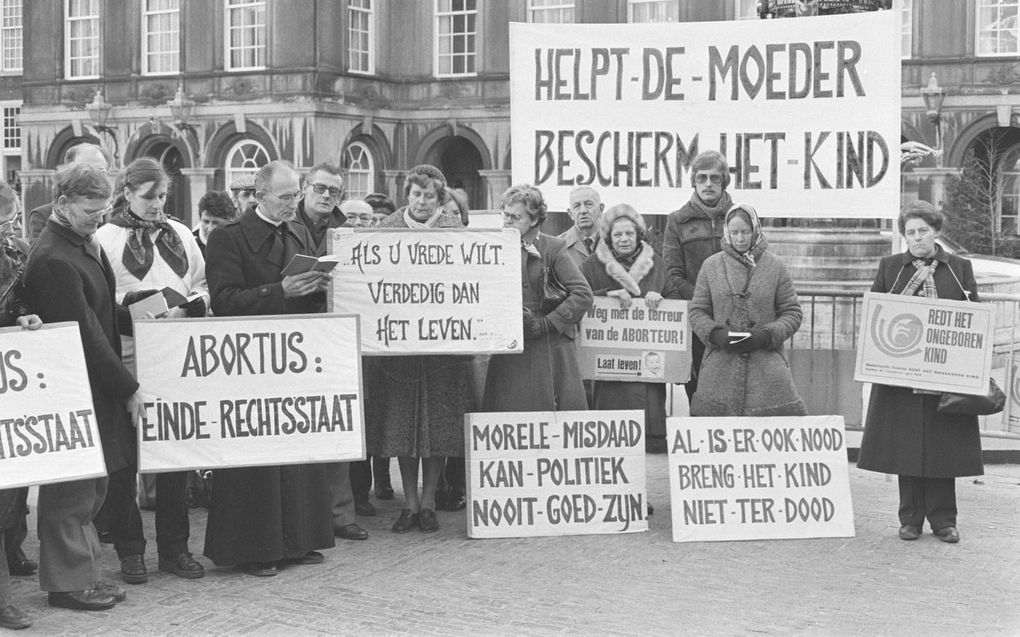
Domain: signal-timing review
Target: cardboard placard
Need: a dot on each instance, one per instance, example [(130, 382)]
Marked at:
[(249, 391), (555, 473), (758, 478), (807, 112), (48, 429), (454, 291), (931, 344), (635, 344)]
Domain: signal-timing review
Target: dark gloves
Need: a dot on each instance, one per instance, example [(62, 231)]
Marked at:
[(194, 309), (535, 325), (720, 337), (138, 295), (759, 339)]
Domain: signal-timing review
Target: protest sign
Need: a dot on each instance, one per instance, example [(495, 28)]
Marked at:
[(48, 429), (807, 112), (925, 343), (758, 478), (249, 391), (635, 344), (454, 291), (555, 473)]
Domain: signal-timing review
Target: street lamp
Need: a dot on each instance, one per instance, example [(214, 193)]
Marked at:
[(933, 95), (99, 112), (181, 108)]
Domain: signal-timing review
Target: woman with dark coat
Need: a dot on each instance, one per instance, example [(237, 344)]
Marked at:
[(624, 266), (903, 433), (416, 404), (545, 377), (744, 309)]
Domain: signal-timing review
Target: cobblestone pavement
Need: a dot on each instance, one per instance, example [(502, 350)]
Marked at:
[(443, 583)]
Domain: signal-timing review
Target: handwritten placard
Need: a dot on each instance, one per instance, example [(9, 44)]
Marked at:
[(249, 391), (807, 112), (635, 344), (430, 291), (933, 344), (48, 429), (555, 473), (758, 478)]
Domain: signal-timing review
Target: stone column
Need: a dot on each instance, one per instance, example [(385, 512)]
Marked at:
[(199, 182), (496, 181), (395, 185)]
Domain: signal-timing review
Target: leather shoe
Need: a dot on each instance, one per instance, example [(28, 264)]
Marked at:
[(111, 589), (909, 532), (948, 534), (22, 567), (365, 508), (384, 493), (350, 532), (88, 599), (14, 619), (182, 565), (260, 569), (427, 521), (405, 522), (132, 569), (311, 557), (105, 537)]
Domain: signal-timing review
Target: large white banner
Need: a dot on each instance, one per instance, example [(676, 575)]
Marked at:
[(555, 473), (806, 111), (430, 291), (758, 478), (932, 344), (249, 391), (48, 429)]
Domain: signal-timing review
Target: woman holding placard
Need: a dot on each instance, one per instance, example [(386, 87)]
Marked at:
[(904, 433), (545, 377), (625, 267), (416, 404), (148, 253), (744, 308)]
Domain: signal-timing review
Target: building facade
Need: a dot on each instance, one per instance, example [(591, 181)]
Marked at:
[(379, 86)]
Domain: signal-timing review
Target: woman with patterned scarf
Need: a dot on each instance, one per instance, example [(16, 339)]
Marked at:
[(624, 266), (148, 251), (744, 309), (904, 433)]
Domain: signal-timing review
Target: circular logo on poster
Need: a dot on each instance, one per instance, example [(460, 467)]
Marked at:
[(898, 337)]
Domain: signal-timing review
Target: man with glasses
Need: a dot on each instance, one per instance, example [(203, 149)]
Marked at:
[(585, 211), (262, 517), (85, 154), (68, 278), (694, 233)]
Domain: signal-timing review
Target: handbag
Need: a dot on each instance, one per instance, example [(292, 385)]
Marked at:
[(553, 292), (991, 402)]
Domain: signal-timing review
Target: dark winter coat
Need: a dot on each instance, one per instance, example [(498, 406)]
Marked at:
[(262, 514), (545, 376), (903, 433), (65, 282), (691, 237), (732, 295)]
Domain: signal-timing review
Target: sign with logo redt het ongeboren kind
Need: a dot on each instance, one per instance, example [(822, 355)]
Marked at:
[(925, 343)]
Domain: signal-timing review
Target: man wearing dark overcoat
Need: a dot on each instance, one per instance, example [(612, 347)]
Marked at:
[(263, 517), (68, 278)]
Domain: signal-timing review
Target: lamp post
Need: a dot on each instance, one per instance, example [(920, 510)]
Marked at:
[(933, 96), (181, 108), (99, 112)]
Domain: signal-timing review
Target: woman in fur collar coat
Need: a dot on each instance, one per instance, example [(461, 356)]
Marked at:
[(744, 308), (624, 266)]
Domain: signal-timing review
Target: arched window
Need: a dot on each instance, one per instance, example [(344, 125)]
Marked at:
[(245, 158), (360, 171), (1009, 219)]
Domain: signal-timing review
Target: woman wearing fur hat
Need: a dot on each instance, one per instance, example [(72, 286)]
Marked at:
[(624, 266), (744, 308)]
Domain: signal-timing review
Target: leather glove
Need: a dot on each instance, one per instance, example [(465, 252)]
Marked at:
[(138, 295), (535, 325), (195, 309), (759, 339), (720, 337)]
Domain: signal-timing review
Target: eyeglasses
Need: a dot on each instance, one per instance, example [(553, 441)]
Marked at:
[(321, 189), (715, 178), (512, 218), (289, 197)]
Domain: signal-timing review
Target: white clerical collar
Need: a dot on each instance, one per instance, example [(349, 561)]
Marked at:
[(258, 211)]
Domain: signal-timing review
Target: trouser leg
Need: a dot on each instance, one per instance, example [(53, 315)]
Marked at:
[(123, 519), (69, 552), (14, 537), (912, 504), (697, 352), (339, 476), (940, 501), (361, 479), (172, 524)]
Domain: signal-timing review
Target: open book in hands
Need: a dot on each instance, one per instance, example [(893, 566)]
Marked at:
[(302, 263), (157, 305)]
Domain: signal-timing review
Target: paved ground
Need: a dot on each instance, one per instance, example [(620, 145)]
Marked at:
[(872, 584)]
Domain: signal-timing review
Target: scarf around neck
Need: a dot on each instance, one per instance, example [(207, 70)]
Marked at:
[(138, 255), (428, 223), (758, 244), (716, 212), (628, 272)]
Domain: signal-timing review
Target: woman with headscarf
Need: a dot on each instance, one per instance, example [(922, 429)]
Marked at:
[(416, 404), (744, 308), (624, 266)]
